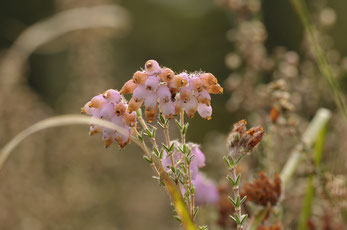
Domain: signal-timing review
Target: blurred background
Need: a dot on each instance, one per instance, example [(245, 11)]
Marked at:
[(57, 54)]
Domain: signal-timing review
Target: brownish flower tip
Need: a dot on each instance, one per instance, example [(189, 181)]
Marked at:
[(180, 81), (130, 118), (120, 109), (255, 135), (166, 75), (140, 77), (95, 131), (185, 95), (274, 114), (240, 127), (108, 142), (204, 100), (134, 104), (151, 113), (208, 79), (83, 110), (262, 191), (96, 103), (128, 87), (121, 142), (149, 64), (215, 89)]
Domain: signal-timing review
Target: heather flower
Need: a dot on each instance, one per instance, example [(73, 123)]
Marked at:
[(160, 88), (109, 106), (206, 191)]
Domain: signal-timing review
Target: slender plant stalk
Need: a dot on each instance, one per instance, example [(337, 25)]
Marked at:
[(168, 144), (236, 194), (144, 147), (310, 189), (321, 59), (145, 127), (191, 199)]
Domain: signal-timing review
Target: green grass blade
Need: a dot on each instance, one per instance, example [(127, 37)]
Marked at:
[(321, 59)]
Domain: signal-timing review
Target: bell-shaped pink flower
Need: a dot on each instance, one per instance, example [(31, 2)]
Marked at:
[(152, 67), (164, 93), (152, 83), (112, 95), (151, 100), (205, 111), (191, 106), (167, 109)]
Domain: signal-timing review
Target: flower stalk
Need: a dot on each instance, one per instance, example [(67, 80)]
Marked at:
[(240, 142)]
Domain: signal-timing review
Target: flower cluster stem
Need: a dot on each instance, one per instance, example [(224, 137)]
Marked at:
[(190, 200), (236, 190)]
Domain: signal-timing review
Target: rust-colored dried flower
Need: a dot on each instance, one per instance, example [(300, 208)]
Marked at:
[(262, 191), (241, 139)]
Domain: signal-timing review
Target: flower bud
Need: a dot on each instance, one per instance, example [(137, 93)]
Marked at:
[(130, 118), (140, 92), (97, 102), (178, 106), (120, 109), (151, 100), (185, 93), (107, 137), (177, 83), (164, 94), (134, 104), (140, 77), (196, 83), (152, 83), (166, 75), (128, 87), (204, 97), (93, 129), (205, 111), (123, 139), (87, 109), (191, 106), (112, 95), (152, 67), (215, 89), (167, 109), (207, 79), (151, 113), (106, 111)]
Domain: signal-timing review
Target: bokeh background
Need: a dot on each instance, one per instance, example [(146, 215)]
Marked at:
[(63, 179)]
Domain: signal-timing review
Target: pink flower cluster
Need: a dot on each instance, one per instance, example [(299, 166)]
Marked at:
[(110, 106), (157, 86), (206, 191)]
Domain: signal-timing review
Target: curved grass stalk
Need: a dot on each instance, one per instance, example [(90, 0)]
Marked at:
[(54, 122)]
